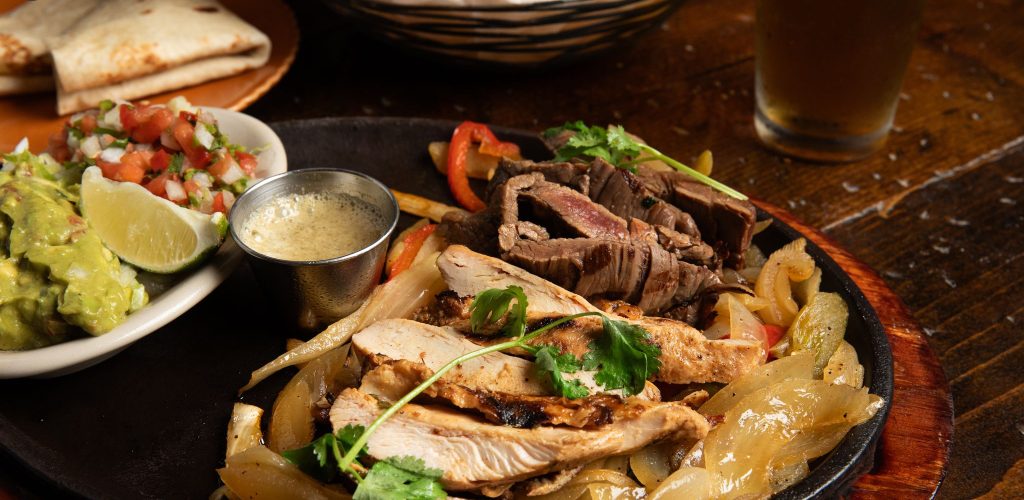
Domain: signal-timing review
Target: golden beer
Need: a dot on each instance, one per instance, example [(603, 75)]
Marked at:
[(828, 73)]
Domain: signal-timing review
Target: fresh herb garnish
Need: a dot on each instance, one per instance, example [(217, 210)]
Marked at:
[(624, 357), (321, 457), (400, 478), (491, 305), (615, 146), (109, 131), (105, 105), (177, 160), (551, 361)]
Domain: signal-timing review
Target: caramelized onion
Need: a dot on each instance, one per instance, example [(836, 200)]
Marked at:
[(398, 298), (786, 265), (261, 473)]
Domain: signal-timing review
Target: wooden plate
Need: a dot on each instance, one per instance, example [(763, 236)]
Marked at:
[(35, 115), (151, 422)]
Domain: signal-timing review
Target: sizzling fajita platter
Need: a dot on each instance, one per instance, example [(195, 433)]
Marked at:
[(584, 318)]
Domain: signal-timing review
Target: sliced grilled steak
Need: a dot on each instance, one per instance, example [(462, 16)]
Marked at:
[(626, 196), (720, 217)]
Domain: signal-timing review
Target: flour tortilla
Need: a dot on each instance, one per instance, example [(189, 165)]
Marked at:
[(24, 53), (125, 49)]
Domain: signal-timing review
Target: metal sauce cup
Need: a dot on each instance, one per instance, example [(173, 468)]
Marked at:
[(318, 292)]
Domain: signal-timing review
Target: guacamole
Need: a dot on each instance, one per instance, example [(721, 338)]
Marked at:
[(56, 277)]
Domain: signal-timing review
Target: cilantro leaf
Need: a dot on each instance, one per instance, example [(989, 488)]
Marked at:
[(617, 147), (400, 478), (623, 356), (491, 305), (550, 360), (319, 458)]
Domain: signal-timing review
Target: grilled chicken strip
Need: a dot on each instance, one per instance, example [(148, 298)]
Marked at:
[(687, 356), (474, 454), (393, 379), (395, 339)]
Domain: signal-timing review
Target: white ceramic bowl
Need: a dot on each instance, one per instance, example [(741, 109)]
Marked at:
[(167, 304)]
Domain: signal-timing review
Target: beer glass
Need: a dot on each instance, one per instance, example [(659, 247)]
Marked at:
[(828, 74)]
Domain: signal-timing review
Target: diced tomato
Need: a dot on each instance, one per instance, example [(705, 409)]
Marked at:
[(247, 162), (221, 167), (218, 203), (88, 124), (158, 185), (148, 131), (132, 169), (191, 187), (160, 161), (129, 117), (109, 169), (58, 147), (184, 133)]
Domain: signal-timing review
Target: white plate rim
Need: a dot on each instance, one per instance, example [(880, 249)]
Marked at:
[(74, 355)]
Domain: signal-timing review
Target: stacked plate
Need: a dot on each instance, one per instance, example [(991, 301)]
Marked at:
[(506, 33)]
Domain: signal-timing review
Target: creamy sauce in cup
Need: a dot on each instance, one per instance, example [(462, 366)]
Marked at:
[(312, 226)]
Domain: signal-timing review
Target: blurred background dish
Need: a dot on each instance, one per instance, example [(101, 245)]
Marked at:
[(505, 34), (33, 115)]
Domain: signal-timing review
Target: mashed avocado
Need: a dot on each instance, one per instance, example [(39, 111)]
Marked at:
[(56, 277)]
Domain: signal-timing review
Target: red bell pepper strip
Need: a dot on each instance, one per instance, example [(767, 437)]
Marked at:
[(411, 245), (458, 181)]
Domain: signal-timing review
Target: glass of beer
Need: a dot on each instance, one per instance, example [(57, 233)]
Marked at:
[(828, 74)]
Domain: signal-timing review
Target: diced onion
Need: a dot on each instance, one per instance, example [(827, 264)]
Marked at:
[(203, 179), (178, 104), (22, 146), (234, 173), (229, 199), (168, 141), (91, 147), (111, 119), (112, 155), (175, 192), (204, 137)]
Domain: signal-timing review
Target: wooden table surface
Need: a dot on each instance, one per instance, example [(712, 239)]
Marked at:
[(938, 213)]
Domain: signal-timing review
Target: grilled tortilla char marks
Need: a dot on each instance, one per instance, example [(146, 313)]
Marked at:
[(390, 380), (474, 454), (396, 339)]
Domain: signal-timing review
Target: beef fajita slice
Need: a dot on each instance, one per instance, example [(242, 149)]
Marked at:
[(125, 49)]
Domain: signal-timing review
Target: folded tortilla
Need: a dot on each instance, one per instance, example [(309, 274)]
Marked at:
[(126, 49), (24, 53)]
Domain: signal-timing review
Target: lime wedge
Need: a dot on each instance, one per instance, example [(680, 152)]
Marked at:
[(147, 231)]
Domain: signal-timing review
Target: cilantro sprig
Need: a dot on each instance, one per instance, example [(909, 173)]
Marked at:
[(550, 360), (615, 146), (401, 478), (623, 357), (491, 305)]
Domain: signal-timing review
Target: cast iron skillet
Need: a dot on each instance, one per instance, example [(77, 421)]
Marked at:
[(151, 421)]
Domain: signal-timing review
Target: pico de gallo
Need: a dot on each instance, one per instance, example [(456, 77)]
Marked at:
[(176, 151)]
